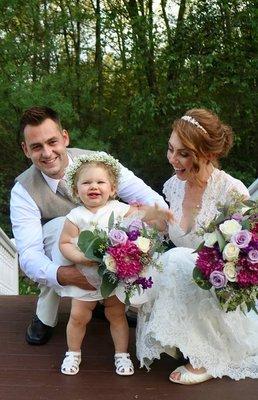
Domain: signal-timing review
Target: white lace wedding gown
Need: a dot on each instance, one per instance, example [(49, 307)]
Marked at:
[(182, 315)]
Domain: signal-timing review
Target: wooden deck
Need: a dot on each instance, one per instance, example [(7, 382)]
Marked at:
[(32, 373)]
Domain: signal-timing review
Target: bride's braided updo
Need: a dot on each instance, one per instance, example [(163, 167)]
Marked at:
[(204, 134)]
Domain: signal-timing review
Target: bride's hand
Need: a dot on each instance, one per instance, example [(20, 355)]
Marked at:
[(158, 216)]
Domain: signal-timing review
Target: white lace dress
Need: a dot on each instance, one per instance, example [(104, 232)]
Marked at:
[(181, 315)]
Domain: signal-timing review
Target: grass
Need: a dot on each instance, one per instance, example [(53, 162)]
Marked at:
[(27, 287)]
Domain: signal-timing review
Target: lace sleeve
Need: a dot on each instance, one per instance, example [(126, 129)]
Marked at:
[(167, 189), (232, 186)]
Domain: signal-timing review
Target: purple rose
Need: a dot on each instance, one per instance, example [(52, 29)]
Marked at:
[(117, 236), (253, 256), (241, 239), (135, 225), (133, 235), (218, 279), (237, 216)]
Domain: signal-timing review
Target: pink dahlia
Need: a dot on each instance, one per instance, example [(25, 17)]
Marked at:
[(248, 273), (127, 257), (209, 259)]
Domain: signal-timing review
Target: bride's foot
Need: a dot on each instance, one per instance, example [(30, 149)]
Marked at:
[(187, 375)]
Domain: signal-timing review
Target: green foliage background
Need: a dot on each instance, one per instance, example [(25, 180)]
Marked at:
[(119, 72)]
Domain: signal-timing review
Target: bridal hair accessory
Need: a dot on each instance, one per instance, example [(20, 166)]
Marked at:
[(194, 122), (93, 157)]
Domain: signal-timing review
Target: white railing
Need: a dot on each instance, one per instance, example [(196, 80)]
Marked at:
[(9, 270)]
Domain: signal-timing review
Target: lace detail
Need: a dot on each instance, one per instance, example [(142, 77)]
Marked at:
[(219, 189), (181, 315), (186, 317)]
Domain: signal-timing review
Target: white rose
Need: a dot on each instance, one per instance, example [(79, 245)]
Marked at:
[(229, 228), (230, 252), (210, 239), (143, 244), (109, 262), (230, 271)]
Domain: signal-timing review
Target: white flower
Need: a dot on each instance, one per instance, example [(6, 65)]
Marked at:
[(91, 157), (109, 262), (230, 271), (229, 228), (230, 252), (143, 244), (210, 239)]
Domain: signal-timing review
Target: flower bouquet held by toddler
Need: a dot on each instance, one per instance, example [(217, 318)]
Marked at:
[(227, 261), (126, 254)]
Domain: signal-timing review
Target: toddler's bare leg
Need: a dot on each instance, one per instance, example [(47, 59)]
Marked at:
[(115, 313), (81, 313)]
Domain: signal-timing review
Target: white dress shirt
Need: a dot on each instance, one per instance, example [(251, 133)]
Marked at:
[(27, 228)]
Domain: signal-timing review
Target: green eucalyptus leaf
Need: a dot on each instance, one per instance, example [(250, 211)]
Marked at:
[(89, 245), (111, 221), (246, 224), (221, 240), (201, 245), (200, 279), (101, 270), (107, 286)]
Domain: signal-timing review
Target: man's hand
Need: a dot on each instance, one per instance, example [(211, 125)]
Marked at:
[(69, 275)]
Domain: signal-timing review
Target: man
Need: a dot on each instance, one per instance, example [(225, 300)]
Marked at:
[(39, 204)]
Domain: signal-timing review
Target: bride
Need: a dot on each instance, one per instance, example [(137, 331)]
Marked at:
[(180, 314)]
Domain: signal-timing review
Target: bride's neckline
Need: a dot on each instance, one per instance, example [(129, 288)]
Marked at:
[(199, 207)]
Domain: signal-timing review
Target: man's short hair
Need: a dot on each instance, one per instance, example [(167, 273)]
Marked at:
[(36, 115)]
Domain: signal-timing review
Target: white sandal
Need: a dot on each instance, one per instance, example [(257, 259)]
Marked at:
[(123, 364), (70, 365)]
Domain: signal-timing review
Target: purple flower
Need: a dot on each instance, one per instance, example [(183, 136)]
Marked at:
[(135, 225), (218, 279), (241, 239), (117, 236), (253, 256), (237, 216), (133, 235), (145, 283)]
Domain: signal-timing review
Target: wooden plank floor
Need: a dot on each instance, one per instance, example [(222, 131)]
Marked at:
[(32, 372)]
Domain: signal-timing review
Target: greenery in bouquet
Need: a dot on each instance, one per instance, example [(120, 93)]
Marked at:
[(125, 254), (227, 261)]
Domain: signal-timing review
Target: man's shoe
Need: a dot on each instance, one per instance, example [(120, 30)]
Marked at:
[(38, 333)]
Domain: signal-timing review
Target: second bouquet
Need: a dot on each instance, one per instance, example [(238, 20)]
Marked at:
[(126, 254)]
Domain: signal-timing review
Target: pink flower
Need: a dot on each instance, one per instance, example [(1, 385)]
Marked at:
[(127, 257), (209, 259), (247, 274)]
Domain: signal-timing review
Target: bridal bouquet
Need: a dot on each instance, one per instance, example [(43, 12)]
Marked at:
[(227, 261), (125, 254)]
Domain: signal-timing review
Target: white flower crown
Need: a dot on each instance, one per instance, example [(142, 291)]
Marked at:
[(193, 122), (96, 156)]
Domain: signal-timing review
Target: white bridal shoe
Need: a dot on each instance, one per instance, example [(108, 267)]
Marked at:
[(189, 378)]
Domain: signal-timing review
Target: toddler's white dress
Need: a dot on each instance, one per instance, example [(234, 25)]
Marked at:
[(84, 219), (182, 315)]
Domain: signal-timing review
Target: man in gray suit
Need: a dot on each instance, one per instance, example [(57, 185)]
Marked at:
[(38, 208)]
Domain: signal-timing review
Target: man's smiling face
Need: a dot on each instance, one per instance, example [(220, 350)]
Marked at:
[(45, 145)]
